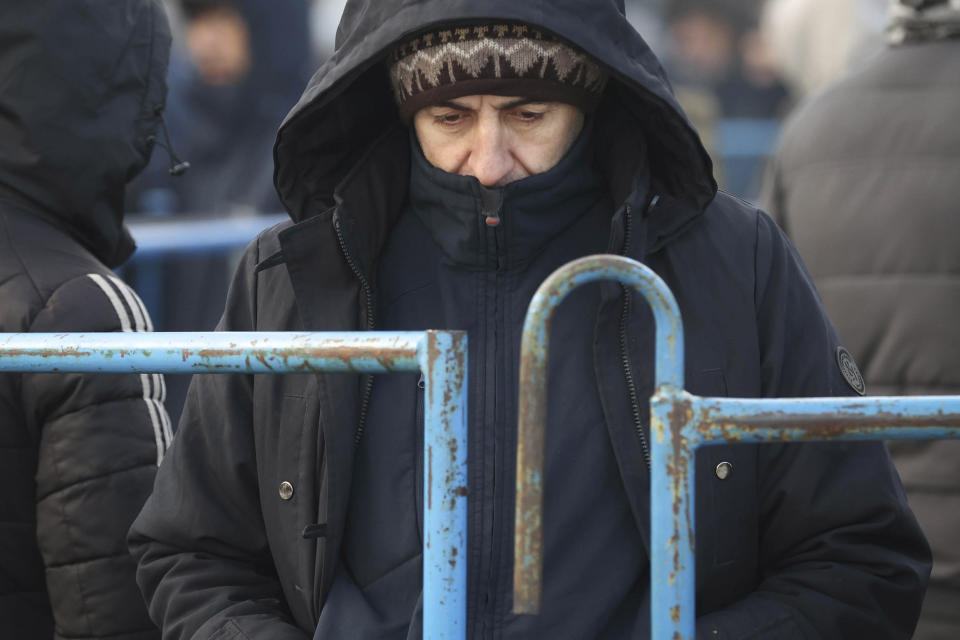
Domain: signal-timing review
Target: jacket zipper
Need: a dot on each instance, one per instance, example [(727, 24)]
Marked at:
[(624, 345), (491, 211), (368, 297), (418, 456)]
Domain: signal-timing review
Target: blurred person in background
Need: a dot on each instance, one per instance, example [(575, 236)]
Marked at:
[(82, 87), (725, 77), (866, 182), (239, 66), (233, 74), (817, 41)]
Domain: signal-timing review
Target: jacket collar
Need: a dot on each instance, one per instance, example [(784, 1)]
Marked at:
[(471, 223), (370, 199)]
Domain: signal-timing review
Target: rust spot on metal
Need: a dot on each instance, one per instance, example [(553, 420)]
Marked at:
[(263, 360), (784, 426), (675, 614), (460, 492), (678, 471), (45, 353), (453, 557), (451, 477), (206, 354), (433, 354)]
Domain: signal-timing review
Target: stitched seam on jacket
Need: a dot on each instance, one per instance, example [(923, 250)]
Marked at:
[(82, 561)]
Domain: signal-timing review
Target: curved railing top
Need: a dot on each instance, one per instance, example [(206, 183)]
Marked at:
[(534, 351)]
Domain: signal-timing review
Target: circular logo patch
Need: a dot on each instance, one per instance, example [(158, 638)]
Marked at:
[(850, 371)]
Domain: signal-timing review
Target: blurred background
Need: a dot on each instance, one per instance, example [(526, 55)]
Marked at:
[(738, 67)]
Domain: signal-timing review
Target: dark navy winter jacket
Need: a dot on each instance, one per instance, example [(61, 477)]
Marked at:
[(801, 541)]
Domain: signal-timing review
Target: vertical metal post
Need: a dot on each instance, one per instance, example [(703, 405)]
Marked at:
[(672, 515), (443, 359)]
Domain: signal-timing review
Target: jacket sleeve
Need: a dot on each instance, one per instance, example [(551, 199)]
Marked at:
[(205, 566), (100, 438), (841, 555)]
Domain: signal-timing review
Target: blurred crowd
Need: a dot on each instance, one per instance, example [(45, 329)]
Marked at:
[(239, 65)]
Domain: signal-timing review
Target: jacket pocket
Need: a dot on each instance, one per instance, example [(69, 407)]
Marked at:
[(721, 476)]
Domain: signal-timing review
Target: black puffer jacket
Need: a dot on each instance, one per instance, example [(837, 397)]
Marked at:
[(80, 86), (802, 541)]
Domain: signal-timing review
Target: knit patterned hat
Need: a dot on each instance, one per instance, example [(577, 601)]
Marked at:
[(505, 59)]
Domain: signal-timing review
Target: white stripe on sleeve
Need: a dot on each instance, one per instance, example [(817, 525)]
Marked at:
[(154, 409)]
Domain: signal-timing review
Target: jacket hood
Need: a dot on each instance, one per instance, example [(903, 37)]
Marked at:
[(82, 87), (923, 21), (349, 102)]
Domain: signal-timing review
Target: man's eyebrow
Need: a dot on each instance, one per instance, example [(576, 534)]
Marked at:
[(450, 104), (519, 103)]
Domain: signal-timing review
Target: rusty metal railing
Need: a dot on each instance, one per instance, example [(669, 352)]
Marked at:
[(440, 355), (680, 423)]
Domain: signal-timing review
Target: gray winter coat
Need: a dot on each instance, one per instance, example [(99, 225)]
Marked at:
[(867, 184)]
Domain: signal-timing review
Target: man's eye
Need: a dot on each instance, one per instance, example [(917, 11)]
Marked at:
[(529, 116), (449, 119)]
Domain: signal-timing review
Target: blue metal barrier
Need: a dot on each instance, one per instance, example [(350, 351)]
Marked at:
[(440, 355), (178, 238), (160, 236), (679, 424)]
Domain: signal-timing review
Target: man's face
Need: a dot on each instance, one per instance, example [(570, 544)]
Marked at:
[(219, 45), (497, 139)]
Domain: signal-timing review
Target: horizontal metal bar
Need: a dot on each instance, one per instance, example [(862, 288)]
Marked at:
[(680, 423), (746, 137), (157, 236), (211, 352), (725, 420), (441, 355)]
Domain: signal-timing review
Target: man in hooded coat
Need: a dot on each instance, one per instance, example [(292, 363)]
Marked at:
[(291, 505), (82, 86)]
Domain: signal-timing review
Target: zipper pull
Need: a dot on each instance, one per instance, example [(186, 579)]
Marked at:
[(491, 204), (421, 383), (654, 201)]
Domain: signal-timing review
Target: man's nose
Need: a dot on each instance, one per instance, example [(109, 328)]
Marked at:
[(490, 158)]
